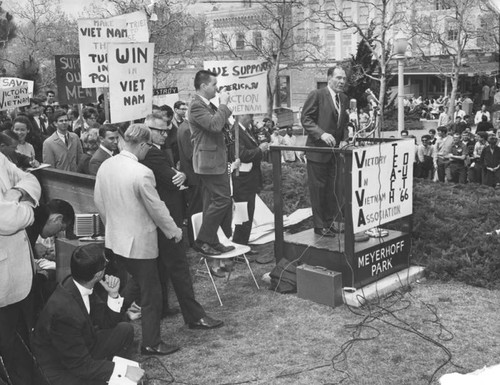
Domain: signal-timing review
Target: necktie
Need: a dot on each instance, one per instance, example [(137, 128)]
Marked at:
[(66, 137), (212, 106)]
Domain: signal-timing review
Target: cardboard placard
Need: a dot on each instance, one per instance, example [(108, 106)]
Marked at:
[(246, 82), (130, 80), (69, 84), (15, 93), (167, 95)]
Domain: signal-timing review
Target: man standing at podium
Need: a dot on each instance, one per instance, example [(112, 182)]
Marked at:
[(325, 118)]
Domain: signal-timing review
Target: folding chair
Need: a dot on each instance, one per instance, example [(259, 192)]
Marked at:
[(239, 250)]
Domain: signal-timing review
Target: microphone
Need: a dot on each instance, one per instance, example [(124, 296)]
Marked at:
[(371, 95), (353, 105)]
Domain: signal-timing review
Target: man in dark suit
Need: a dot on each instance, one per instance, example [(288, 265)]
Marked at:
[(171, 254), (208, 125), (325, 119), (77, 334), (108, 137), (38, 132), (248, 183)]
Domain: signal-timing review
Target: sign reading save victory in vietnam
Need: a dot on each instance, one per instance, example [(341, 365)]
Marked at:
[(15, 93), (382, 183), (130, 80), (246, 83)]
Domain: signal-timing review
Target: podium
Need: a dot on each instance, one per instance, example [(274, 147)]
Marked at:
[(378, 181)]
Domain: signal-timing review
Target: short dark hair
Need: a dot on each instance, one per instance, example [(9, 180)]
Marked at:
[(331, 70), (24, 120), (442, 129), (202, 77), (482, 135), (107, 128), (427, 137), (86, 261), (178, 104), (88, 112), (59, 206), (58, 114), (168, 110), (432, 131)]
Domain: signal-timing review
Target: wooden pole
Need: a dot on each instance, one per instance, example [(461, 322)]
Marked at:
[(106, 104), (236, 141)]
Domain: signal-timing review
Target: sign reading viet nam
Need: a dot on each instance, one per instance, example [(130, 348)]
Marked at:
[(130, 80), (15, 93), (167, 95), (69, 84), (382, 183), (94, 35), (246, 83)]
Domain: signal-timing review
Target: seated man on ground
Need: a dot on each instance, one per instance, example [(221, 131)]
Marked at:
[(77, 334)]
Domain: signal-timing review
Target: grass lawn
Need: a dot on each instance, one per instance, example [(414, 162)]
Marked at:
[(270, 338)]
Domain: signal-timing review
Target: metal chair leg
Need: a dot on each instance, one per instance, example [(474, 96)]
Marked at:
[(251, 272), (213, 282)]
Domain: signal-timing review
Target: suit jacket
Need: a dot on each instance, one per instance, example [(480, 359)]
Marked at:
[(95, 162), (60, 156), (37, 135), (250, 152), (16, 269), (65, 334), (186, 153), (209, 147), (126, 198), (161, 165), (319, 115), (171, 145)]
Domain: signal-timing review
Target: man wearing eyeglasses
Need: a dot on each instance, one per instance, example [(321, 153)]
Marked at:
[(129, 205), (172, 259), (63, 149)]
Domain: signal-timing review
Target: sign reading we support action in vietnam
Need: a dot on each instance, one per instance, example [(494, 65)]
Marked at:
[(130, 80), (246, 83), (382, 183), (69, 84), (94, 35), (15, 93)]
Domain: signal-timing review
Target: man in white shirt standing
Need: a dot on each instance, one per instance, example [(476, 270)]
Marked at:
[(77, 333)]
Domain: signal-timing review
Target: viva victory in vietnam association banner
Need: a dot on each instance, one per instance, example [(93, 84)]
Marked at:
[(246, 83), (94, 35), (130, 80), (382, 183)]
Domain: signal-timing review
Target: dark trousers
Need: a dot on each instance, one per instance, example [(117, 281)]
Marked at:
[(491, 178), (325, 189), (474, 174), (217, 207), (144, 285), (242, 232), (458, 172), (443, 170), (110, 343), (16, 324), (194, 198), (174, 260)]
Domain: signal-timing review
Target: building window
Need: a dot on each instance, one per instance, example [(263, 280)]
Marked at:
[(240, 40), (346, 44), (331, 45), (452, 34), (257, 39)]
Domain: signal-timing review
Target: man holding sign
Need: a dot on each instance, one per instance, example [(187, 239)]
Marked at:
[(208, 124)]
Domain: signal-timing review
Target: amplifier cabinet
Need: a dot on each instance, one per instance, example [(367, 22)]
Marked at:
[(319, 285)]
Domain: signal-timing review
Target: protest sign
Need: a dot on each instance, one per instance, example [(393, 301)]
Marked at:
[(15, 93), (382, 183), (246, 83), (168, 96), (130, 80), (95, 34), (69, 84)]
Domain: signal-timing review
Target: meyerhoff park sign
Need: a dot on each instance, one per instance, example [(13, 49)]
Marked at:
[(382, 186)]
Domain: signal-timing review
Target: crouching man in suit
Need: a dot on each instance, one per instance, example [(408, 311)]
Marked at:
[(77, 334)]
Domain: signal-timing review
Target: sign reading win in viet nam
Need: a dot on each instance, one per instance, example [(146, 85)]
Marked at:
[(15, 93), (69, 84), (94, 35), (246, 83), (382, 183), (130, 80)]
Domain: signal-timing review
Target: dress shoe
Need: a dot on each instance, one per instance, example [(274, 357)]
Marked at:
[(217, 273), (252, 252), (221, 248), (170, 312), (205, 248), (162, 349), (335, 230), (324, 232), (206, 323)]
